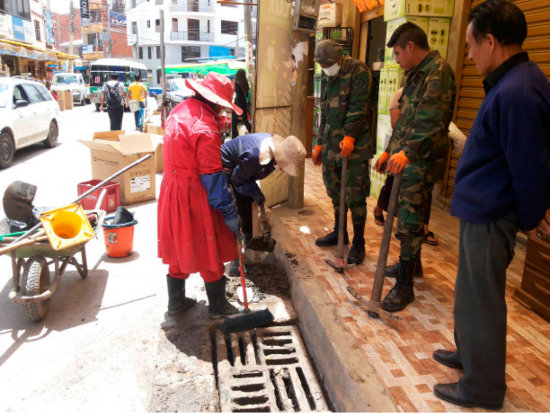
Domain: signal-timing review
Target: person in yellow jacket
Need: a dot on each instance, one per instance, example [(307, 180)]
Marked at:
[(138, 91)]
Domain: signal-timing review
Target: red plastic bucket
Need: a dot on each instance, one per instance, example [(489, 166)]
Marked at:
[(119, 238)]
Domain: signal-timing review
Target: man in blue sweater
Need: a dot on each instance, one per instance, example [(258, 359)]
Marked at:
[(502, 185)]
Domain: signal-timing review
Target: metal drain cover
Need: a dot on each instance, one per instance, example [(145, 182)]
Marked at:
[(266, 370)]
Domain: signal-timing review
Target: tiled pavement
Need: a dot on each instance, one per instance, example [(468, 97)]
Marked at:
[(400, 351)]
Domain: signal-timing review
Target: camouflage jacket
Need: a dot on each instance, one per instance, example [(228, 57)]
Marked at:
[(421, 131), (344, 106)]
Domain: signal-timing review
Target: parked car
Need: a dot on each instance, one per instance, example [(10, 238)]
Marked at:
[(73, 82), (28, 115), (177, 91)]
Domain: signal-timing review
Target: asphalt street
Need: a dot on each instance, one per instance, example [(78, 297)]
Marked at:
[(106, 344)]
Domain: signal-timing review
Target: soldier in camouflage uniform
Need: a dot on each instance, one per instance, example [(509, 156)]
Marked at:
[(344, 132), (418, 147)]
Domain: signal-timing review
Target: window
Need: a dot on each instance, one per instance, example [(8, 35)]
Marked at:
[(149, 53), (140, 52), (19, 94), (17, 8), (229, 27), (134, 3), (157, 25), (208, 26), (158, 76), (44, 92), (193, 27), (134, 27), (37, 29), (192, 5), (33, 94), (148, 24), (158, 2), (158, 52), (190, 52), (174, 25)]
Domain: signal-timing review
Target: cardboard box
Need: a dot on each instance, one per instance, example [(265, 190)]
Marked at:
[(68, 99), (330, 15), (383, 91), (159, 160), (112, 150), (383, 132), (429, 8)]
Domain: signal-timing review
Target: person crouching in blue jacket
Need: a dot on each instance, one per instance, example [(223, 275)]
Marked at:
[(250, 158)]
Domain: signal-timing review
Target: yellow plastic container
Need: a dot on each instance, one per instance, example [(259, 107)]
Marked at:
[(66, 226)]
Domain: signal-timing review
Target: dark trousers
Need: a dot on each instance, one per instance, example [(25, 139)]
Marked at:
[(235, 120), (485, 251), (244, 209), (384, 199), (115, 116)]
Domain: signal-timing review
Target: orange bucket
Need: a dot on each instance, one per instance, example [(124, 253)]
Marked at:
[(119, 238)]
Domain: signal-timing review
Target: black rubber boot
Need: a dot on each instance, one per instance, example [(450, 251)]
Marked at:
[(177, 301), (234, 266), (357, 252), (402, 293), (218, 306), (332, 237), (393, 270)]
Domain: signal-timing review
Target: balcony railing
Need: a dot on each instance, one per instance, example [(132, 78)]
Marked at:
[(192, 35), (190, 6)]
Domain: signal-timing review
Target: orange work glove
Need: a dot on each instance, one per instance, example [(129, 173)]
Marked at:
[(346, 145), (380, 165), (397, 162), (316, 156)]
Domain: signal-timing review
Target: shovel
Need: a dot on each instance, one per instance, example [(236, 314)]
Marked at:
[(264, 243), (339, 264), (374, 307)]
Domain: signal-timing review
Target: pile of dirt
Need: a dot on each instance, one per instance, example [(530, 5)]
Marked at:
[(264, 279)]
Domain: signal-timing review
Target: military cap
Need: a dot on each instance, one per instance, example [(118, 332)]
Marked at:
[(327, 52)]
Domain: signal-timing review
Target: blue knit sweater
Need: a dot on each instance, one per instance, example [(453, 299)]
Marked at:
[(505, 165)]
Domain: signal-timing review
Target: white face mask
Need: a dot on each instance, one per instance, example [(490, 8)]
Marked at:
[(332, 71)]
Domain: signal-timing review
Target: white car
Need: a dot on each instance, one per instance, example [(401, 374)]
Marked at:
[(28, 115), (74, 82)]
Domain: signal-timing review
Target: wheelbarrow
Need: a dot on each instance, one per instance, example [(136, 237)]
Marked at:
[(35, 251)]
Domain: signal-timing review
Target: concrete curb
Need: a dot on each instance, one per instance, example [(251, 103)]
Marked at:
[(350, 382)]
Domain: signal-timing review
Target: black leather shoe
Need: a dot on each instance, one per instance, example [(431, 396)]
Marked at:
[(331, 239), (356, 254), (449, 392), (447, 358)]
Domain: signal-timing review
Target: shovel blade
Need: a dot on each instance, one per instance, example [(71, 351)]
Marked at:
[(261, 244)]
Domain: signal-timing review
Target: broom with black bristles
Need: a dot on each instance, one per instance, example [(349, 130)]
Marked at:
[(248, 319)]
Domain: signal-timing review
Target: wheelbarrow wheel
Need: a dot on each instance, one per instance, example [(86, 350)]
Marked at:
[(36, 280)]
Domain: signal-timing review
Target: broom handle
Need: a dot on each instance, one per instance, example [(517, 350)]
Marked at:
[(380, 274), (85, 194), (241, 270)]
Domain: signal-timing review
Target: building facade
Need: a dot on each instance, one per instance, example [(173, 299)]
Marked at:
[(193, 30)]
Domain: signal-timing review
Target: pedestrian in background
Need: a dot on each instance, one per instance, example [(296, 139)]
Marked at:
[(138, 91), (242, 90), (502, 184), (418, 148), (250, 158), (197, 217), (344, 132), (113, 93)]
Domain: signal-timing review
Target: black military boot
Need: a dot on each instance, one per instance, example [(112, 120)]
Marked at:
[(218, 306), (393, 270), (357, 252), (234, 266), (332, 237), (402, 293), (177, 301)]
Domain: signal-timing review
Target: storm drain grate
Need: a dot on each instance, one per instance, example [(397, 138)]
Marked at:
[(265, 370)]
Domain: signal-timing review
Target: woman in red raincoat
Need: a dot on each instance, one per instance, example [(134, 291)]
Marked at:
[(197, 217)]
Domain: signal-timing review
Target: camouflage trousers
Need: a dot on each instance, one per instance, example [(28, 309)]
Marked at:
[(411, 209), (357, 188)]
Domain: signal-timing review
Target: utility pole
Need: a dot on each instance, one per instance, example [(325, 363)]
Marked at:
[(163, 66), (71, 34), (109, 43), (250, 63)]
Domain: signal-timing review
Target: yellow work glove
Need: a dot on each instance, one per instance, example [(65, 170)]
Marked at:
[(316, 156), (346, 145), (397, 162), (380, 165)]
